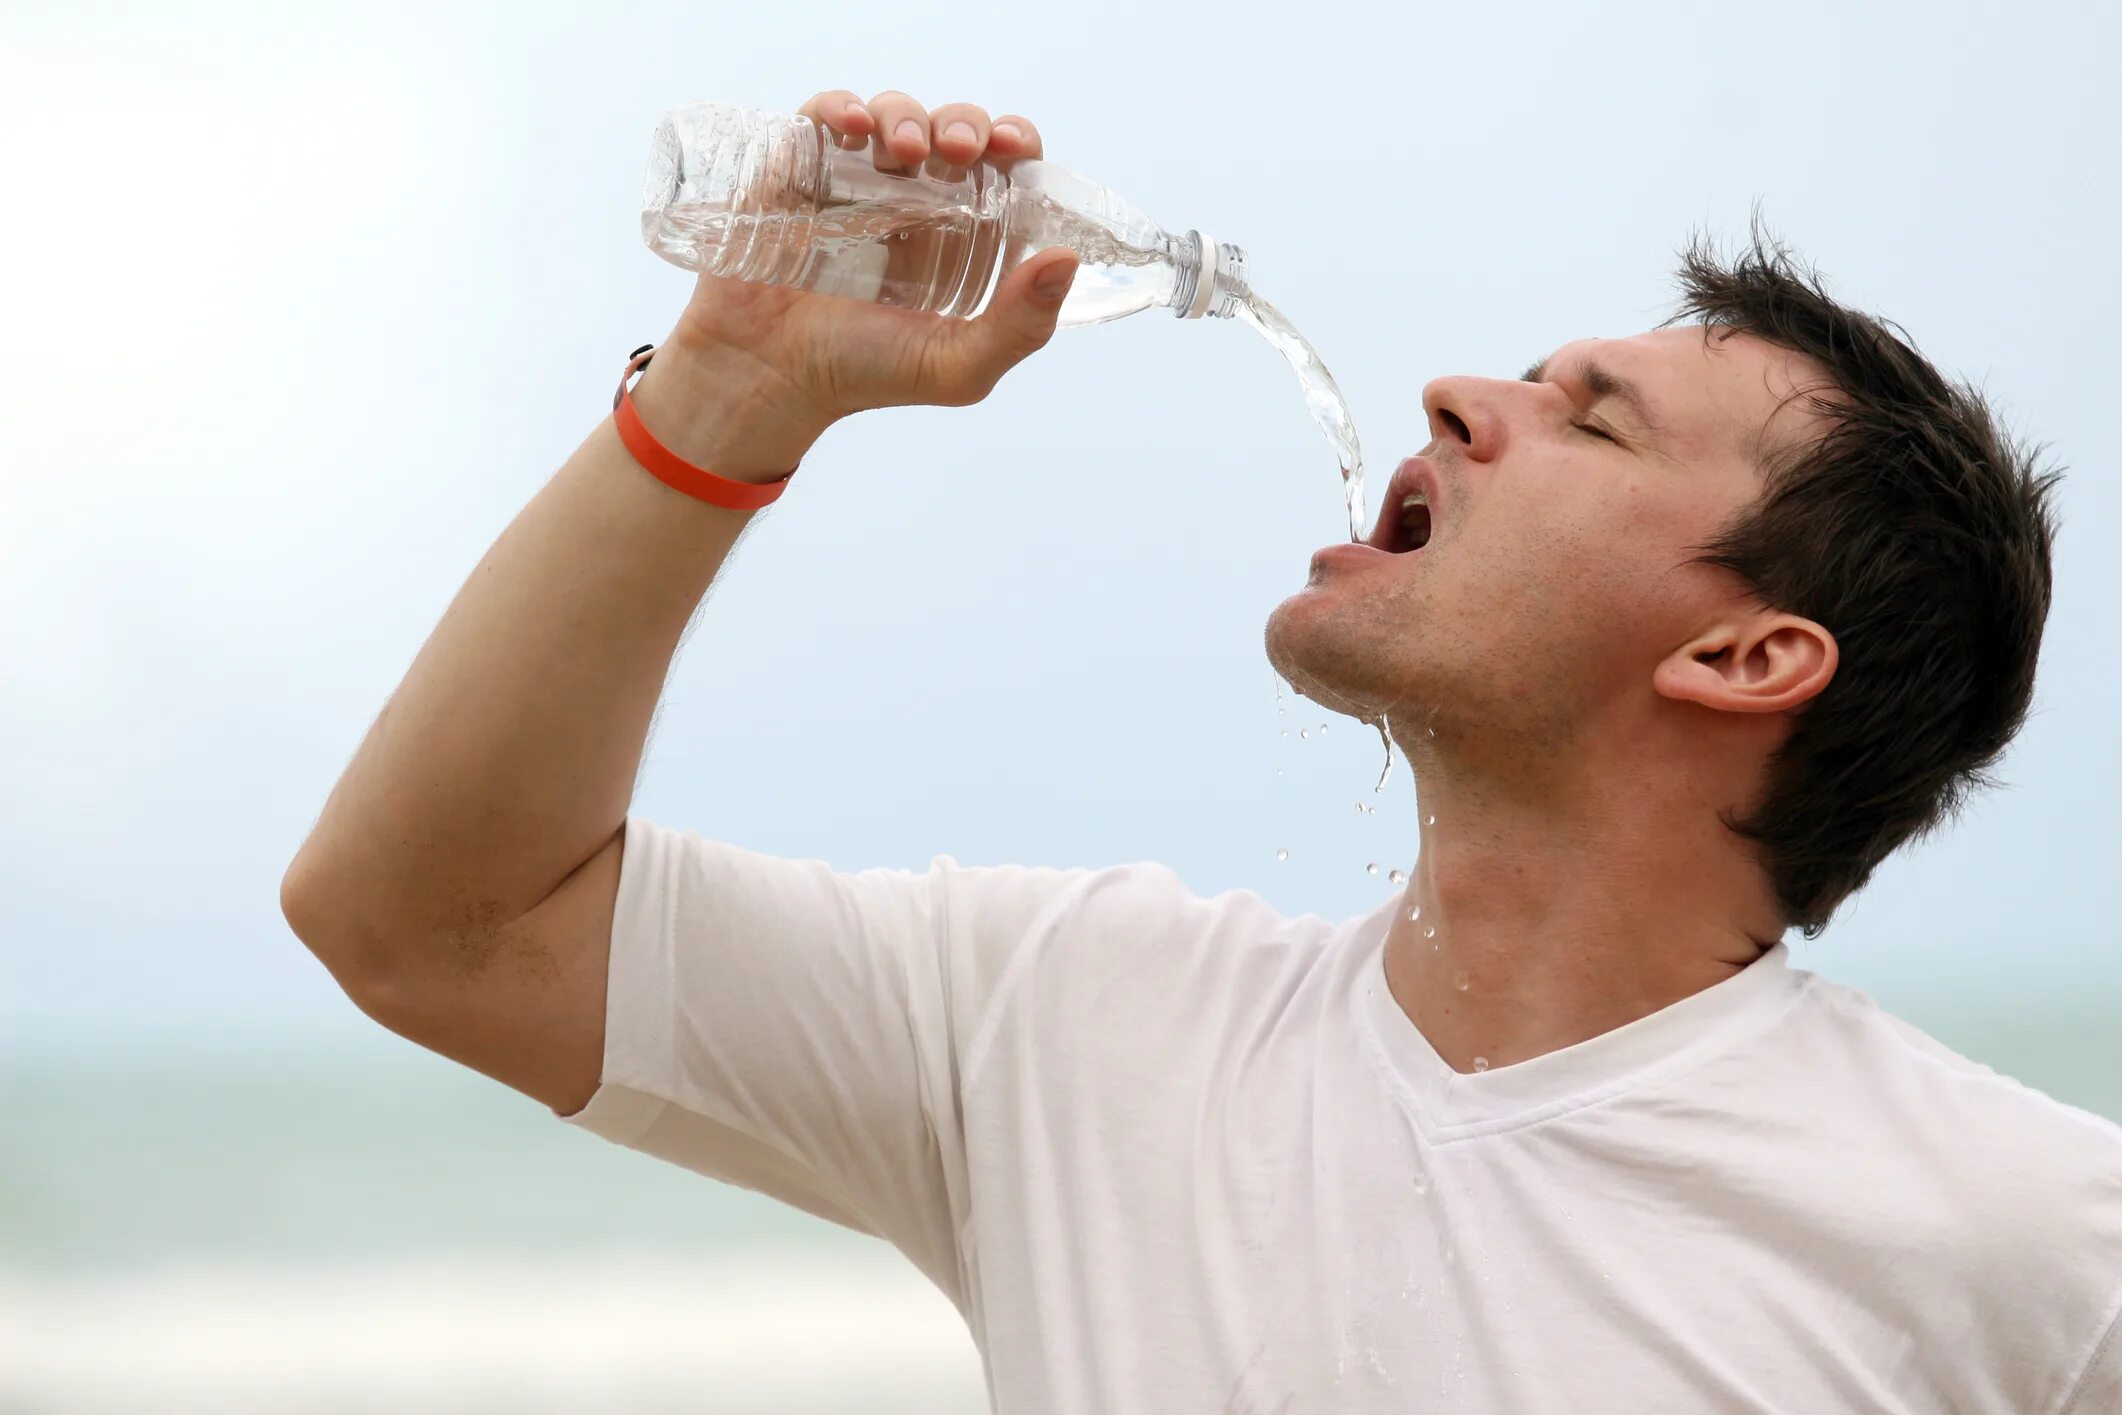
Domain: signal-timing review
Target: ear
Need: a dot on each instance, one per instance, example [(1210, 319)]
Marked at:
[(1766, 663)]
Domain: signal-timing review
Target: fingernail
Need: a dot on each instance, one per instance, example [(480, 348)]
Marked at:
[(910, 131), (1010, 131), (1053, 282), (961, 132)]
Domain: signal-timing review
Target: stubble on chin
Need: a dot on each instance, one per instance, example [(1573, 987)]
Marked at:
[(1324, 663)]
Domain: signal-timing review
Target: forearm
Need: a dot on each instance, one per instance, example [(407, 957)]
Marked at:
[(508, 755)]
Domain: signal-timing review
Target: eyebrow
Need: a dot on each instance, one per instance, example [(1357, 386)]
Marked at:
[(1603, 382)]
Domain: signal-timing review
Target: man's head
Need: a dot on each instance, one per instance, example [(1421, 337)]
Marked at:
[(1777, 536)]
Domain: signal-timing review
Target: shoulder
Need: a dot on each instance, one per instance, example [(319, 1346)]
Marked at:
[(1965, 1202), (1144, 921), (2020, 1169), (1132, 949), (1126, 911), (1980, 1102)]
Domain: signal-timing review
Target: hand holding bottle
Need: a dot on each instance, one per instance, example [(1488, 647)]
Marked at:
[(819, 357)]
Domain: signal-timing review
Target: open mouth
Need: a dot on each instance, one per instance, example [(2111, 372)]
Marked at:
[(1405, 521), (1410, 529)]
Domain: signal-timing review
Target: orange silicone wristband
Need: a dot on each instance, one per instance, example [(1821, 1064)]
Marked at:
[(671, 469)]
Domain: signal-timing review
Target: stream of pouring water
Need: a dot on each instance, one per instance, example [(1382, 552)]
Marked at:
[(1322, 398)]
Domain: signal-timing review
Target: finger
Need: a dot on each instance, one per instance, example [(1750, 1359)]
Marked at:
[(842, 114), (1014, 136), (1017, 323), (902, 130), (959, 132)]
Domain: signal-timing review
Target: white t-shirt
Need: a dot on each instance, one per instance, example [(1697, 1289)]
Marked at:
[(1173, 1154)]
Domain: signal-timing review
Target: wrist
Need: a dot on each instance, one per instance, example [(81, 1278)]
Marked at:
[(721, 410)]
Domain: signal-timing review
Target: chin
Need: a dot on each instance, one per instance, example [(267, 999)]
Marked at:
[(1310, 643)]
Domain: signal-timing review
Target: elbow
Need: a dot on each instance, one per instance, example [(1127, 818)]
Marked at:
[(329, 928), (299, 891)]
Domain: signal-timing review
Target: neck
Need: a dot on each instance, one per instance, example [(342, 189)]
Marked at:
[(1555, 911)]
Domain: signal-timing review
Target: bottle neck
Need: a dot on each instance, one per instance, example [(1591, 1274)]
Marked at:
[(1211, 278)]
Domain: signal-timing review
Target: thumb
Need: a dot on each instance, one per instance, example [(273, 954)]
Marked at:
[(1021, 317), (1052, 277)]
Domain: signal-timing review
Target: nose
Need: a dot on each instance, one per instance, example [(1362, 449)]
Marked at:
[(1467, 412)]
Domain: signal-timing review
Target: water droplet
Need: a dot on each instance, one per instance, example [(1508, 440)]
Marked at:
[(1278, 771), (1460, 982), (1282, 854), (1415, 913), (1431, 821), (1359, 808), (1480, 1063), (1421, 1182), (1429, 931), (1305, 733), (1386, 738), (1432, 731), (1285, 731), (1399, 877), (1370, 869), (1323, 727)]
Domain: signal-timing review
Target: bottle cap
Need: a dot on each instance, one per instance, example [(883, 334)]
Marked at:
[(1219, 279), (1205, 279)]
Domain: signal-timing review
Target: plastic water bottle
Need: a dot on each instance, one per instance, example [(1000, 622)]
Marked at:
[(775, 200)]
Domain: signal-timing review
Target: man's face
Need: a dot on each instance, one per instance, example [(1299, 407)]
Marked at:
[(1562, 512)]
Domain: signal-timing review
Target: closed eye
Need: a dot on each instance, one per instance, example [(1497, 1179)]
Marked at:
[(1597, 432)]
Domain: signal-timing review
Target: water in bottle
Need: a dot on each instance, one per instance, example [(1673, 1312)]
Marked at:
[(775, 200)]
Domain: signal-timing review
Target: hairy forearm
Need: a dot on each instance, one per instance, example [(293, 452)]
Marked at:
[(508, 755)]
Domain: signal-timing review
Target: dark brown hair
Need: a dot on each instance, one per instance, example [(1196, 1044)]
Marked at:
[(1918, 533)]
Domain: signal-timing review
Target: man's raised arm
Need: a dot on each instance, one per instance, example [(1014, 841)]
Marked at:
[(459, 883)]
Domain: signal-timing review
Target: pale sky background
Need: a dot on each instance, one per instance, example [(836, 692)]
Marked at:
[(303, 303)]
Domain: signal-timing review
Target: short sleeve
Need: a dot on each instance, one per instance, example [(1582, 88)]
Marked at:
[(798, 1031), (2100, 1387)]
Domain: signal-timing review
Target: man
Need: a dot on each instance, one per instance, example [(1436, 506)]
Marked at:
[(1681, 633)]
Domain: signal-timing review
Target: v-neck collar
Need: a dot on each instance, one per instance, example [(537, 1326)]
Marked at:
[(1449, 1104)]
